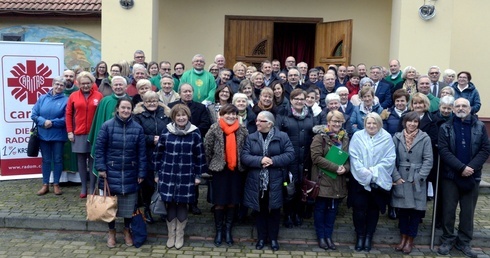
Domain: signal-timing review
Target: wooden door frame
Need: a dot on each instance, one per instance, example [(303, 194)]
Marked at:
[(272, 19)]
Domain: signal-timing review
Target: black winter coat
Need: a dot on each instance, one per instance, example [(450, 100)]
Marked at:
[(199, 115), (120, 151), (300, 133), (153, 123), (451, 166), (281, 152)]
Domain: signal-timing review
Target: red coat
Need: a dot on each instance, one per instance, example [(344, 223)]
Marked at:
[(80, 111)]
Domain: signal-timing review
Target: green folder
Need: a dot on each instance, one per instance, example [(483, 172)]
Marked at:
[(337, 156)]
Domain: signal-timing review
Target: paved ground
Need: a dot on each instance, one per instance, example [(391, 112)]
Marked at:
[(45, 243), (27, 219)]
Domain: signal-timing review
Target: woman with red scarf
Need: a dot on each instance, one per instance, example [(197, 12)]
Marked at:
[(223, 144)]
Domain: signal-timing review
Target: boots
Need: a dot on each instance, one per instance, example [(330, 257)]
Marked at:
[(360, 242), (57, 189), (219, 215), (403, 240), (128, 239), (44, 190), (111, 238), (368, 243), (407, 249), (288, 221), (230, 213), (171, 226), (148, 218), (179, 234)]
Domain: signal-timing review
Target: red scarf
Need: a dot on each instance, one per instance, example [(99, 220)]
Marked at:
[(230, 142)]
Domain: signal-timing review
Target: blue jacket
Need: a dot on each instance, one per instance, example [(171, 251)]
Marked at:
[(281, 152), (49, 107), (358, 115), (120, 151), (471, 94), (393, 122), (383, 92)]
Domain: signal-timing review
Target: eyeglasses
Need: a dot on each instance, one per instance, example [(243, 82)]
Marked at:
[(214, 70), (165, 69), (298, 99), (434, 73), (336, 122), (139, 57), (199, 61), (261, 121), (178, 68), (151, 102)]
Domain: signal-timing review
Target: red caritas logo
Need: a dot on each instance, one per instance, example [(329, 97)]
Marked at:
[(30, 81)]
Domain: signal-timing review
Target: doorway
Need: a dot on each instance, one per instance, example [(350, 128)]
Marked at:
[(253, 39), (294, 39)]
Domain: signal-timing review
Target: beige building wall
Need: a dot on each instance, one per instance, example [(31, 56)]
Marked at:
[(185, 31), (127, 30), (88, 25), (457, 38)]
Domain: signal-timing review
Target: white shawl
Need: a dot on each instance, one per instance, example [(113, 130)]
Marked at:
[(372, 159)]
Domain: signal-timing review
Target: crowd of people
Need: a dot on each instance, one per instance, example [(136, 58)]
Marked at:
[(257, 132)]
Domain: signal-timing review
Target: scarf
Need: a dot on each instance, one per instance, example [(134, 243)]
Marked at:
[(409, 137), (264, 172), (230, 142), (335, 137), (302, 115), (264, 108), (178, 131)]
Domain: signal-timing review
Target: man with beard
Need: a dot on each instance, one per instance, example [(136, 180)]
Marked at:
[(70, 86), (202, 82), (463, 148)]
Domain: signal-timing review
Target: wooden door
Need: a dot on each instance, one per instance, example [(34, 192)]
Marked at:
[(248, 40), (333, 43)]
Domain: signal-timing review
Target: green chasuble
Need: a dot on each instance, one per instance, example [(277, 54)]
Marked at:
[(105, 111), (69, 158), (203, 84)]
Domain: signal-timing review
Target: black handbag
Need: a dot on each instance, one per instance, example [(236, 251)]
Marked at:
[(34, 142)]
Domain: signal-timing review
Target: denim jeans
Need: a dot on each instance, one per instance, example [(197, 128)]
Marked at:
[(52, 158), (325, 213)]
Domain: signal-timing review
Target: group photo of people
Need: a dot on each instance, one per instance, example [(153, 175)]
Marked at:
[(379, 140)]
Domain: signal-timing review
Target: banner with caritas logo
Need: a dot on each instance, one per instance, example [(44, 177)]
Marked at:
[(27, 72)]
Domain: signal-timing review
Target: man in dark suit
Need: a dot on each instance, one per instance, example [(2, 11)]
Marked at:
[(199, 118), (435, 85), (382, 88)]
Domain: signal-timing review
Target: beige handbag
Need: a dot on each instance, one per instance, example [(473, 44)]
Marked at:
[(102, 207)]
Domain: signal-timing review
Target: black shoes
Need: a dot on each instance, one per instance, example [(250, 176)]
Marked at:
[(330, 244), (260, 244), (298, 221), (288, 222), (322, 243), (392, 213), (194, 209), (368, 243), (360, 243), (148, 218), (466, 249), (274, 245)]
